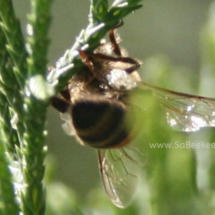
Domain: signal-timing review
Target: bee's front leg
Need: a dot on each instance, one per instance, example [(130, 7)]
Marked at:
[(60, 104)]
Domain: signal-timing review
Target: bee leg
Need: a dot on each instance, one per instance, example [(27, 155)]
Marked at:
[(108, 58), (116, 48), (60, 104), (118, 53), (121, 23), (112, 37), (86, 60), (65, 94), (135, 63), (99, 76), (90, 65), (132, 68)]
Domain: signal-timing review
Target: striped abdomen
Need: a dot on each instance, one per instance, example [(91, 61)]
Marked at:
[(100, 123)]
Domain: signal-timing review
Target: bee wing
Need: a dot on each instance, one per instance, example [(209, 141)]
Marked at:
[(119, 173), (185, 112)]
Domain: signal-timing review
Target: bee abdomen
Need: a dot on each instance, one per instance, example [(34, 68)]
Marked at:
[(100, 123)]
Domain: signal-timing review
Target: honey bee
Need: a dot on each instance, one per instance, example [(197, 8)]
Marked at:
[(95, 109)]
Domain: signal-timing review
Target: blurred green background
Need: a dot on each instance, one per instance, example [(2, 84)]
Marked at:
[(169, 36)]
